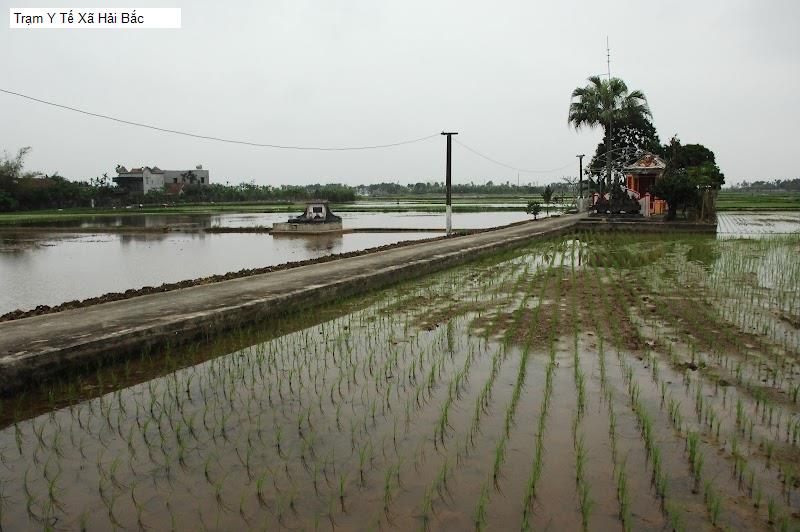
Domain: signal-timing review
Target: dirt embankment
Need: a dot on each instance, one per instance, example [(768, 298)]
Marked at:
[(166, 287)]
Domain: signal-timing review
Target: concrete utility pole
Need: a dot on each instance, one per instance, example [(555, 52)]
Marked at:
[(448, 207), (580, 174)]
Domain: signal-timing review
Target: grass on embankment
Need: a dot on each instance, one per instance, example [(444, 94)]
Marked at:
[(734, 200)]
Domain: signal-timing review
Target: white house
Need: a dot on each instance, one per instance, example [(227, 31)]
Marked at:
[(145, 179)]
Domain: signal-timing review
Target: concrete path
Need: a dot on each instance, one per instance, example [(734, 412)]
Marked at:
[(33, 347)]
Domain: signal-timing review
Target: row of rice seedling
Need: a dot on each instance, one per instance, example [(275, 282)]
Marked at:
[(707, 419), (443, 404)]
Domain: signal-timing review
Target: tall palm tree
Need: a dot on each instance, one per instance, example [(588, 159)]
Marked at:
[(606, 103)]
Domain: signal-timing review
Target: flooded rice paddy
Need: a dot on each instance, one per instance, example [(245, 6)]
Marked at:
[(744, 224), (350, 220), (589, 381), (51, 269)]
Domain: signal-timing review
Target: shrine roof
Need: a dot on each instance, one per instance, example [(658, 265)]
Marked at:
[(649, 162)]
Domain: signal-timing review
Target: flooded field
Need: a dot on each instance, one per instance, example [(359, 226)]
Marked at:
[(590, 381), (350, 220), (48, 269), (744, 224)]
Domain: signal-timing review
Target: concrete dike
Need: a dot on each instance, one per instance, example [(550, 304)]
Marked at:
[(36, 347), (644, 225)]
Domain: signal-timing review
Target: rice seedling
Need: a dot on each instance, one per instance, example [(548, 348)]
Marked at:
[(432, 381)]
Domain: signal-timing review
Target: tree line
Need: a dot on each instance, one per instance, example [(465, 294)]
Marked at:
[(24, 190), (776, 185), (434, 188)]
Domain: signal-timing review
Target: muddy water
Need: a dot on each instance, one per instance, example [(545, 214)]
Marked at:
[(405, 220), (418, 407), (51, 269)]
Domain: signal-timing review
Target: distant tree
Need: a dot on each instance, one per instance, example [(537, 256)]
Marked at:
[(547, 193), (606, 103), (547, 197), (534, 208), (788, 185), (10, 174)]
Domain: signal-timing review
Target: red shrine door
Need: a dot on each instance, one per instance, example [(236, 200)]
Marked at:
[(645, 184)]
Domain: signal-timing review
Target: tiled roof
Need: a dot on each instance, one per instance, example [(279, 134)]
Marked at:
[(648, 161)]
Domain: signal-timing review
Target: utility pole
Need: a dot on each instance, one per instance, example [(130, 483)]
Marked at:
[(448, 207), (580, 174)]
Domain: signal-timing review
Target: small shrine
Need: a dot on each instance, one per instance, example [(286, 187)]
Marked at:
[(316, 218), (641, 176)]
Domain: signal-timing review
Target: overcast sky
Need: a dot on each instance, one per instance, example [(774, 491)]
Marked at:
[(722, 73)]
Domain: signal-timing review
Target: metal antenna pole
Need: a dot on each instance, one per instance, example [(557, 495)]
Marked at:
[(448, 182), (609, 145)]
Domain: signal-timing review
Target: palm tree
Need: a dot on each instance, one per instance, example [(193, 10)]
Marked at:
[(606, 103)]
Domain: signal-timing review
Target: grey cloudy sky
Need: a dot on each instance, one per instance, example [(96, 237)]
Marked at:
[(725, 73)]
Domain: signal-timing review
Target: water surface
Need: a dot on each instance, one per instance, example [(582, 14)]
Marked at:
[(48, 269)]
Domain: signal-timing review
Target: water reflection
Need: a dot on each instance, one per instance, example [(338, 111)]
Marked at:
[(48, 269), (195, 222), (757, 224), (324, 243)]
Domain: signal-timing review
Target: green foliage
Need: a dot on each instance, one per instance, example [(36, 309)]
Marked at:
[(697, 160), (217, 192), (32, 190), (786, 185), (606, 101), (28, 191), (743, 199), (534, 208), (678, 189), (438, 189), (706, 175), (609, 104), (7, 203), (629, 140), (547, 194), (687, 155), (691, 170)]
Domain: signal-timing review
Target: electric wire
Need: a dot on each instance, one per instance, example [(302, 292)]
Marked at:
[(512, 167), (219, 139), (270, 145)]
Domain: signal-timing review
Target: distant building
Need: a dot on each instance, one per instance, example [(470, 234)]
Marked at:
[(146, 179)]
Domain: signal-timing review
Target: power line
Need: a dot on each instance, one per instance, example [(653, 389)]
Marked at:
[(495, 161), (269, 145), (218, 139)]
